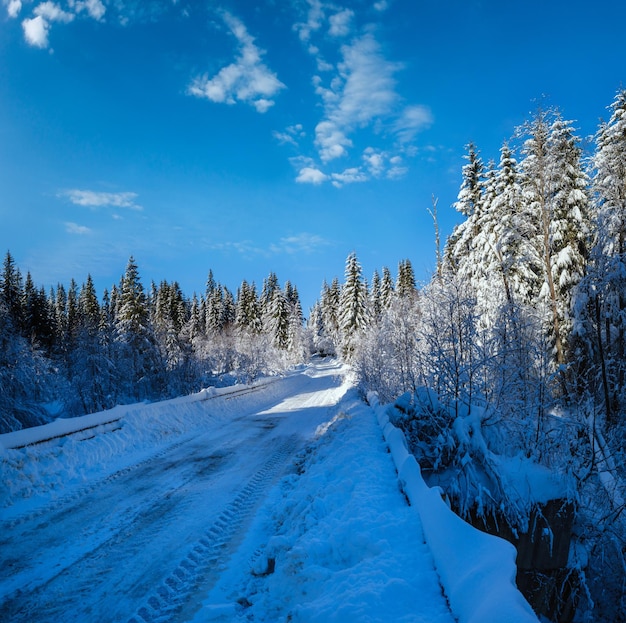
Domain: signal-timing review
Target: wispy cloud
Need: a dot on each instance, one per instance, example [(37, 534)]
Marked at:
[(13, 7), (363, 90), (243, 247), (311, 175), (245, 80), (291, 245), (96, 199), (349, 176), (340, 23), (74, 228), (359, 96), (412, 120), (291, 134), (36, 28), (314, 19), (300, 243), (52, 12), (95, 9)]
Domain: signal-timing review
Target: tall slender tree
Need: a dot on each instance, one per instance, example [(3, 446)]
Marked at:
[(353, 305)]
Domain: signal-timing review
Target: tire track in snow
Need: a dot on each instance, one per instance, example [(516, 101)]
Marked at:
[(209, 553), (73, 496), (36, 601)]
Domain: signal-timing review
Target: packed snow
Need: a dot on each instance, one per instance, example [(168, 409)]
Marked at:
[(273, 502)]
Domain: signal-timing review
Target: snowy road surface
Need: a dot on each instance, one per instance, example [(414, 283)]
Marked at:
[(280, 504)]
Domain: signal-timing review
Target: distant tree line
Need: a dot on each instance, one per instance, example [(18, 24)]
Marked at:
[(67, 348)]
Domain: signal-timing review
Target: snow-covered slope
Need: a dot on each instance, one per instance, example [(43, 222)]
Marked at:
[(276, 504)]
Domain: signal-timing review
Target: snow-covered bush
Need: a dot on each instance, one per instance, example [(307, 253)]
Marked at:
[(450, 445)]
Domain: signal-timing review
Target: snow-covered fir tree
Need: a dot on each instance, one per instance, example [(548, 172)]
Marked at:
[(136, 352), (387, 289), (469, 203), (353, 309)]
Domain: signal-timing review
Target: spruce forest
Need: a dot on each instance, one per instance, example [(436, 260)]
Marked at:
[(520, 334)]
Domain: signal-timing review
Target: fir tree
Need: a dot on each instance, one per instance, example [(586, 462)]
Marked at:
[(279, 320), (139, 364), (387, 289), (469, 202), (570, 226), (405, 287), (88, 307), (375, 302), (537, 184), (12, 293), (353, 305), (248, 314), (602, 311), (330, 301)]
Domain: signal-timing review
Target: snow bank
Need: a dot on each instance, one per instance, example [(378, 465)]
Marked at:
[(477, 570), (41, 463), (68, 426)]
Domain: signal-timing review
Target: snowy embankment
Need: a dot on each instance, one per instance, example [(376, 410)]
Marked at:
[(41, 463), (477, 570)]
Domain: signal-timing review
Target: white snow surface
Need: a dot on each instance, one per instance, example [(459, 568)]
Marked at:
[(275, 502)]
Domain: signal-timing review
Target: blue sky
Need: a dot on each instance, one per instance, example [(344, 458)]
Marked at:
[(278, 135)]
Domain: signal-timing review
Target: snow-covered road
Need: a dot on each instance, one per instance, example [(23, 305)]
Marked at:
[(273, 503), (143, 539)]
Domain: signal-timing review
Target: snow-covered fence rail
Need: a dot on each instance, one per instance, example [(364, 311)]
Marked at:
[(110, 420), (477, 570)]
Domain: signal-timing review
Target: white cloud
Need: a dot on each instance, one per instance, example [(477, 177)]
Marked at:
[(300, 243), (322, 65), (36, 31), (331, 141), (369, 89), (412, 120), (375, 161), (291, 245), (340, 23), (381, 5), (363, 90), (311, 175), (96, 199), (315, 17), (245, 247), (396, 171), (13, 7), (290, 135), (381, 164), (246, 80), (94, 8), (262, 105), (349, 176), (52, 12), (80, 230)]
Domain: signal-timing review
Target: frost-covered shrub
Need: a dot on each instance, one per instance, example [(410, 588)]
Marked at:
[(449, 444)]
